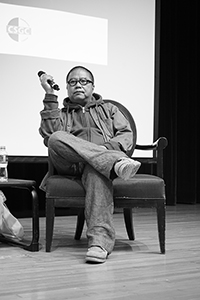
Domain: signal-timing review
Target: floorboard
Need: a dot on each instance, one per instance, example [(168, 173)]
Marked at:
[(135, 269)]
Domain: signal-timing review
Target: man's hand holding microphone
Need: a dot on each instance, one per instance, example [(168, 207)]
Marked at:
[(48, 83)]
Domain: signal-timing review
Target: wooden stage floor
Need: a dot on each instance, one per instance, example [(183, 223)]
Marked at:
[(135, 270)]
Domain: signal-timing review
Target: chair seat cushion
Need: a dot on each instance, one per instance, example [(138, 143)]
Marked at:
[(142, 186), (62, 186)]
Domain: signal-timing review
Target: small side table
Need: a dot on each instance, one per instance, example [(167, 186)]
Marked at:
[(31, 186)]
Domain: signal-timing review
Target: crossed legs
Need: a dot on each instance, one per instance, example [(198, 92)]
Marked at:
[(66, 150)]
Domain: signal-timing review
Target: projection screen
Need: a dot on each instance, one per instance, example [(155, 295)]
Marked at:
[(115, 39)]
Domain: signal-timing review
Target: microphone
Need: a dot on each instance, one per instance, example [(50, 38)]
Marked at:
[(50, 82)]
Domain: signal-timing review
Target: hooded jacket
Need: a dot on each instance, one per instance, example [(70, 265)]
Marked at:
[(98, 122)]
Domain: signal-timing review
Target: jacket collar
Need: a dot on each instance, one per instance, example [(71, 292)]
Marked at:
[(96, 100)]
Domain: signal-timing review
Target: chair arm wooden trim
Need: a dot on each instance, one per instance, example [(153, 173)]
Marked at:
[(158, 146), (159, 153), (160, 143)]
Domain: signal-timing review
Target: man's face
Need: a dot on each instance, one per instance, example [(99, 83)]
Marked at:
[(80, 93)]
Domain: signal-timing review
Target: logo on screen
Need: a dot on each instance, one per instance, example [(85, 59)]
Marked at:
[(18, 30)]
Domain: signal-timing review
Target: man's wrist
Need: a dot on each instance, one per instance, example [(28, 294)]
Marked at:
[(50, 98)]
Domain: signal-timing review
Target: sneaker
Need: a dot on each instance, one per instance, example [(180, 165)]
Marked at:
[(126, 168), (96, 254)]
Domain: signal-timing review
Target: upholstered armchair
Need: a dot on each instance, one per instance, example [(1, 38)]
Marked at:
[(144, 190)]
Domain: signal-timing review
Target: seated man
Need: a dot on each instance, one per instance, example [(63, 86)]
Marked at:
[(88, 138)]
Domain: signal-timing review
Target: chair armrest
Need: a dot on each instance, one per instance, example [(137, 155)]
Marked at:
[(158, 146), (160, 143)]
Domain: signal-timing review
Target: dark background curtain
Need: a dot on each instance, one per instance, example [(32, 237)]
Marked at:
[(178, 98), (177, 112)]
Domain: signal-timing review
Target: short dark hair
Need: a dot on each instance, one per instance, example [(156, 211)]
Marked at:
[(80, 67)]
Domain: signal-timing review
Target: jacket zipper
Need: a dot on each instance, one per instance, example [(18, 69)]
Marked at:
[(88, 124)]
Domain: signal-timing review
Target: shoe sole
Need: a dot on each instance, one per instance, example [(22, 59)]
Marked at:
[(92, 259)]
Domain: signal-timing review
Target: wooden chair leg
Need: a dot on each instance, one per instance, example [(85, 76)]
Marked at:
[(128, 218), (80, 224), (50, 213), (34, 246), (161, 225)]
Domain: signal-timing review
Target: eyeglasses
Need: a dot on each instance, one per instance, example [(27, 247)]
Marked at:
[(82, 81)]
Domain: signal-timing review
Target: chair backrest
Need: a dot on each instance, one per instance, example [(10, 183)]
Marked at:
[(129, 117)]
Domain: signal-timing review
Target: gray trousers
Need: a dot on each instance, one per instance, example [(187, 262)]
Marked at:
[(66, 150)]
